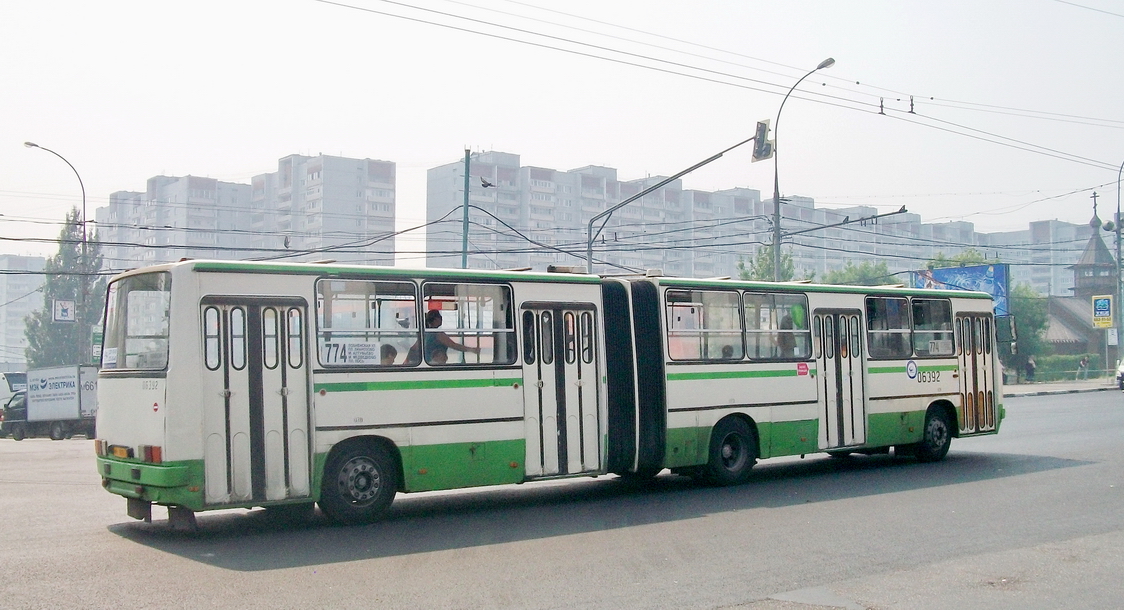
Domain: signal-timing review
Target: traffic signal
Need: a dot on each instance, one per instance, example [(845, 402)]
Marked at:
[(762, 145)]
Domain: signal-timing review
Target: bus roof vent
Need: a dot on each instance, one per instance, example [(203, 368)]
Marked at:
[(653, 272), (518, 269), (564, 269), (326, 261)]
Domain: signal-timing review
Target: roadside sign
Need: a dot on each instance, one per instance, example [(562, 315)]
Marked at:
[(1102, 311)]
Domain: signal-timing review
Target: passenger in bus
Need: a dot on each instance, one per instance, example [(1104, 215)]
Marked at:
[(438, 342), (387, 354), (727, 352), (786, 340)]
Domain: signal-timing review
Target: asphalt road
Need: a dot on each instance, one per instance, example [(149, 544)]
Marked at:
[(1032, 518)]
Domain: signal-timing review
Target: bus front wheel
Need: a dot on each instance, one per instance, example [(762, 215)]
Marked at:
[(733, 452), (359, 484), (935, 438)]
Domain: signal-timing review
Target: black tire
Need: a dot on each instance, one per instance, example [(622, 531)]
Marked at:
[(359, 483), (18, 432), (56, 431), (839, 455), (733, 452), (936, 437)]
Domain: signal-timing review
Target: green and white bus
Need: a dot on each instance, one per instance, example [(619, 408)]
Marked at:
[(240, 384)]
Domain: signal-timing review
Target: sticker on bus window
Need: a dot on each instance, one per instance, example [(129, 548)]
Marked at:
[(349, 353)]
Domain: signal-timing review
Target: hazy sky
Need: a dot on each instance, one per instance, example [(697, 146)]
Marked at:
[(1019, 105)]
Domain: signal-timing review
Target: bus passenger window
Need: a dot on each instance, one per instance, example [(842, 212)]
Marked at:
[(888, 328), (477, 324), (703, 325), (932, 328), (361, 323)]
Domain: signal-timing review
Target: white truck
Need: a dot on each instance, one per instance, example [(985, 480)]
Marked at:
[(59, 402)]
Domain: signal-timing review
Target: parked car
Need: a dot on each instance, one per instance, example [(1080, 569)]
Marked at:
[(12, 420), (1120, 375)]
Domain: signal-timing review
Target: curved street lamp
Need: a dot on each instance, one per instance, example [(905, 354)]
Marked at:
[(827, 63), (83, 347)]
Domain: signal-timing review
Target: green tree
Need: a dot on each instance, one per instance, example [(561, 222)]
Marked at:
[(760, 267), (866, 273), (966, 258), (1031, 315), (71, 275)]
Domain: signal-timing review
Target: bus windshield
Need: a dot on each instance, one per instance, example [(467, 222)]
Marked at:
[(136, 323)]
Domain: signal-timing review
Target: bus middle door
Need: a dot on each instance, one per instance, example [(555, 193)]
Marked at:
[(255, 400), (838, 337), (977, 388), (560, 392)]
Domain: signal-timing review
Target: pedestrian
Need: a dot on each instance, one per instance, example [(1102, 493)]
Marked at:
[(1030, 366), (1083, 368)]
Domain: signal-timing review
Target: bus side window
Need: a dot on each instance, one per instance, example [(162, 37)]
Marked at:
[(474, 324), (212, 341), (888, 328)]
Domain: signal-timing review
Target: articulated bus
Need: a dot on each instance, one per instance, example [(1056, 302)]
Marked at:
[(239, 384)]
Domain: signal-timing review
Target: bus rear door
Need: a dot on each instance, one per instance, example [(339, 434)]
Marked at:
[(977, 385)]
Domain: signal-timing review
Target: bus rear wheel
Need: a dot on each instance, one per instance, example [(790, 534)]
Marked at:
[(359, 484), (733, 452), (936, 437)]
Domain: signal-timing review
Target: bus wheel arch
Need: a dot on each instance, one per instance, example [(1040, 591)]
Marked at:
[(361, 477), (937, 432), (733, 450)]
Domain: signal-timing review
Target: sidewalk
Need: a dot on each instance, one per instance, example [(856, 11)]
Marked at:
[(1059, 387)]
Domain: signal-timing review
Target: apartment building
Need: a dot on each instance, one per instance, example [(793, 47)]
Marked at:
[(20, 286)]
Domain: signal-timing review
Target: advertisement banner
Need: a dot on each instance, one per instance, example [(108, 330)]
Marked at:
[(991, 279)]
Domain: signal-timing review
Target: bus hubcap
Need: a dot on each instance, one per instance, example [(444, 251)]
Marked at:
[(359, 479)]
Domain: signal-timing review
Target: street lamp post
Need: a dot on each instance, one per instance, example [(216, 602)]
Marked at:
[(1119, 305), (84, 351), (827, 63)]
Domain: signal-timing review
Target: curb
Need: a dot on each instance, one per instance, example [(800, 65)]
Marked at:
[(1055, 392)]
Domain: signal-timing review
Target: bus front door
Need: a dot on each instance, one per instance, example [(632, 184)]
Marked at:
[(255, 400), (560, 392), (838, 337), (977, 386)]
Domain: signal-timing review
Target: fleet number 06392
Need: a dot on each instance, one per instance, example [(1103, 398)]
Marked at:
[(928, 376)]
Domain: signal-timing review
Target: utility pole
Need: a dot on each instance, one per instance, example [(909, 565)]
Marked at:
[(464, 221)]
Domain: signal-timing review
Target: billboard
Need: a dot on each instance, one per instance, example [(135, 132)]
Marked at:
[(991, 279)]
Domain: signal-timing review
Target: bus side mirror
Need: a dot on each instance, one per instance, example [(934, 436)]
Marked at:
[(1005, 332)]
